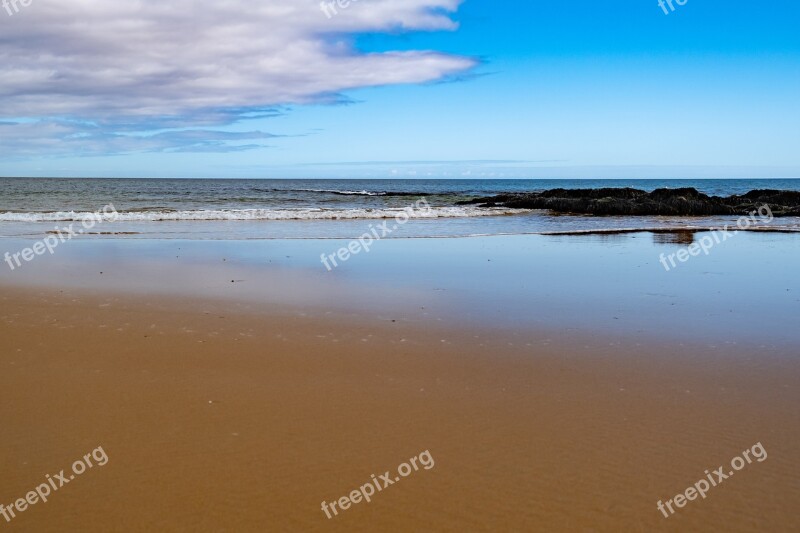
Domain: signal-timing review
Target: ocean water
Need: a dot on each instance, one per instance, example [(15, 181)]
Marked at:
[(276, 209)]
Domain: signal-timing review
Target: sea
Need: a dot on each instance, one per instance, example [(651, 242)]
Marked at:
[(244, 209)]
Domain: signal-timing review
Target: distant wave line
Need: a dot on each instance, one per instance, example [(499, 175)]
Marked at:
[(359, 193)]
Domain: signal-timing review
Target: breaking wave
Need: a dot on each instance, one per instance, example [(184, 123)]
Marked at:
[(264, 214)]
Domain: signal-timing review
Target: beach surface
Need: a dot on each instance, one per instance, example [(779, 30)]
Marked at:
[(223, 406)]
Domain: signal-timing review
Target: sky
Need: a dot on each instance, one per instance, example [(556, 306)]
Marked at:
[(400, 89)]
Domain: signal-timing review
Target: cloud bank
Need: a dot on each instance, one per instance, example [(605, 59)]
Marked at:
[(103, 73)]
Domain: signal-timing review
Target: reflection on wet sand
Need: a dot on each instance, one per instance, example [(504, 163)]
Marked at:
[(682, 238)]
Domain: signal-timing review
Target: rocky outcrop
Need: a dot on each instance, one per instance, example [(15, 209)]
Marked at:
[(635, 202)]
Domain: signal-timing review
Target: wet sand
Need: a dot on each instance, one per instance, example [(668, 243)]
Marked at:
[(217, 416)]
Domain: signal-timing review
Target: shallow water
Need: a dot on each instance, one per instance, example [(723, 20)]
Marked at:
[(745, 291)]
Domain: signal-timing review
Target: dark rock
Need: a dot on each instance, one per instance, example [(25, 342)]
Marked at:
[(664, 202)]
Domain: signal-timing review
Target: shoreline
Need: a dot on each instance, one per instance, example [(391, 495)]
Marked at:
[(566, 233)]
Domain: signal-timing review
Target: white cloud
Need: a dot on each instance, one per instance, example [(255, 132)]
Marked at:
[(139, 65), (65, 138)]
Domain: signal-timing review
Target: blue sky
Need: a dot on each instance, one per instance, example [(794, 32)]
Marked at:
[(510, 89)]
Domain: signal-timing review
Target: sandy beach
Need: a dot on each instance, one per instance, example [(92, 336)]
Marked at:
[(436, 266), (223, 415)]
